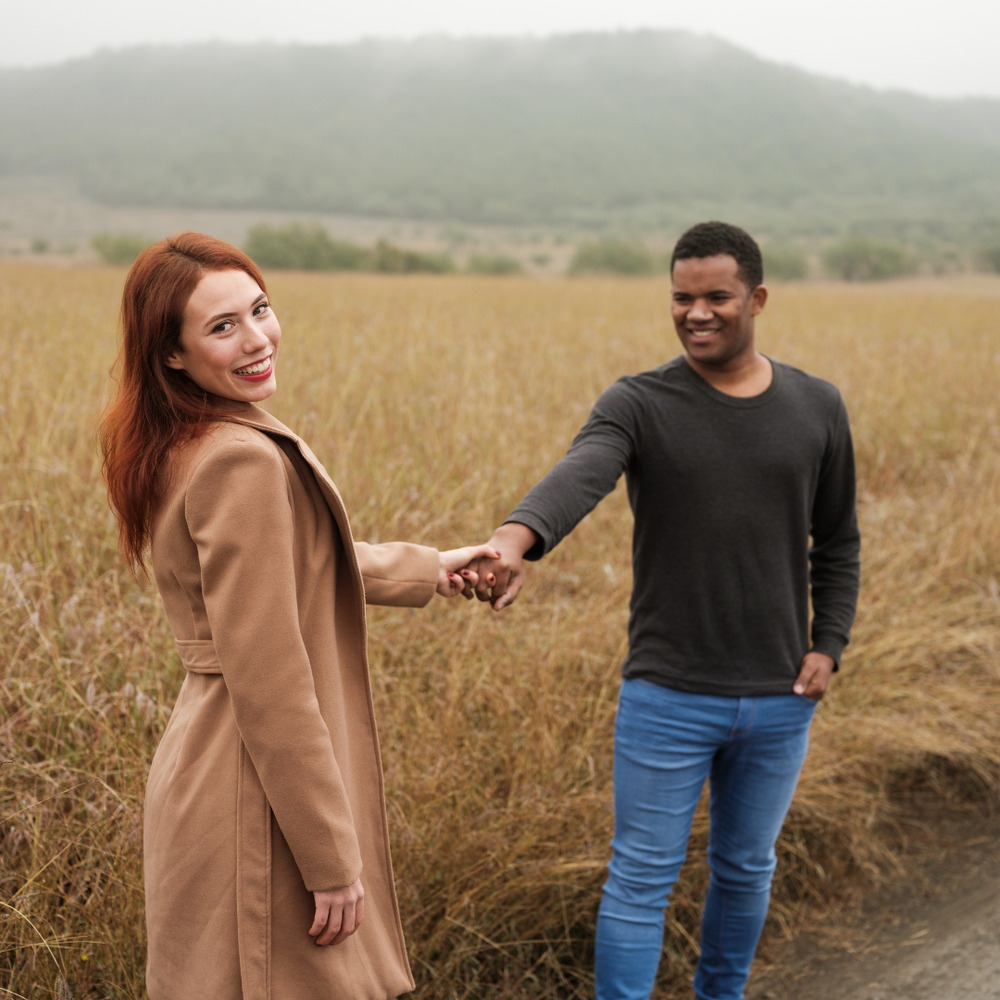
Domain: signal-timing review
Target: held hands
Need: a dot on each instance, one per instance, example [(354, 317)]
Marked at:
[(500, 579), (338, 913), (814, 676), (493, 571), (457, 573)]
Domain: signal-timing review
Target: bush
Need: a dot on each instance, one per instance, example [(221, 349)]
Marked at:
[(859, 258), (991, 255), (303, 248), (611, 257), (784, 263), (309, 248), (498, 264), (391, 259), (38, 245), (119, 248)]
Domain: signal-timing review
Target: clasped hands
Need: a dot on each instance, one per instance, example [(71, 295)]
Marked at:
[(490, 572)]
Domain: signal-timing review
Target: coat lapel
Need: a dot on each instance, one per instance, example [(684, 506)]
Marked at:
[(261, 420)]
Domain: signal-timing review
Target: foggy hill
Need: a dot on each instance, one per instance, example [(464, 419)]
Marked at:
[(645, 129)]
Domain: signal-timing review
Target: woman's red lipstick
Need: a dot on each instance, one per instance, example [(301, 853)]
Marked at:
[(257, 376)]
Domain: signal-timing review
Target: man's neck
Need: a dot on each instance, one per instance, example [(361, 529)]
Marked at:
[(750, 378)]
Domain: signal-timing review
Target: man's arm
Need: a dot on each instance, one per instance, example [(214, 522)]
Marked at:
[(600, 453), (834, 562)]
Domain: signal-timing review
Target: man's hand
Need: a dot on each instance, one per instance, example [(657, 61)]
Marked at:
[(814, 677), (456, 575), (338, 914), (500, 579)]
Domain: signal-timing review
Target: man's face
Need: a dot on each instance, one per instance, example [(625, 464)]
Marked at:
[(714, 311)]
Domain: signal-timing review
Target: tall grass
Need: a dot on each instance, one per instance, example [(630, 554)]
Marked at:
[(436, 403)]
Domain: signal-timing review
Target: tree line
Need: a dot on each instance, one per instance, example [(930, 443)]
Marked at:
[(634, 131), (309, 247)]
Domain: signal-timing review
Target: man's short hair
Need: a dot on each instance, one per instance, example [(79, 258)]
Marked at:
[(710, 239)]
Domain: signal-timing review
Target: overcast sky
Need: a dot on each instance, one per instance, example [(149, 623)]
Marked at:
[(941, 47)]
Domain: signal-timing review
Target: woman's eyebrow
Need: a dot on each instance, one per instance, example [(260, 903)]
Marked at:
[(232, 312)]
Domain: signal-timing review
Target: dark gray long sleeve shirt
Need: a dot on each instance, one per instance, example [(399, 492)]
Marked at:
[(726, 492)]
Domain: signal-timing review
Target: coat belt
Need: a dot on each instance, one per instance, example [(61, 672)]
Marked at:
[(198, 656)]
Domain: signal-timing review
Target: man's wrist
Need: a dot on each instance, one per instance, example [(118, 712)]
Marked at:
[(825, 656), (830, 646), (514, 539)]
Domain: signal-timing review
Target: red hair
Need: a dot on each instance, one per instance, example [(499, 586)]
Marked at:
[(157, 407)]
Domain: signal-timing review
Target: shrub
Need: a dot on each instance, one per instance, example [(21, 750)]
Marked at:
[(119, 248), (38, 245), (391, 259), (860, 258), (784, 263), (494, 264), (303, 248), (991, 255), (611, 257)]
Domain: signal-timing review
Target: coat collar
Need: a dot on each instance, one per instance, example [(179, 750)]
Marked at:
[(254, 416), (261, 420)]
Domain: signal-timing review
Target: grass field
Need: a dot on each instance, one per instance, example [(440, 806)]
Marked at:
[(436, 402)]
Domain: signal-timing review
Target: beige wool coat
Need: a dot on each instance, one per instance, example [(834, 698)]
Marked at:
[(267, 784)]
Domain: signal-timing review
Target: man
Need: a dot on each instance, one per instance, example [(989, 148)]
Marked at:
[(732, 461)]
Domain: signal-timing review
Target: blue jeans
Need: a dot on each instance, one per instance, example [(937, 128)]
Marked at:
[(667, 743)]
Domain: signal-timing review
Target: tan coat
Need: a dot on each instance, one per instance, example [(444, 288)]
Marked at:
[(267, 784)]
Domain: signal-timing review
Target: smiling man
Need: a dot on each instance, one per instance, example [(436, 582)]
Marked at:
[(732, 462)]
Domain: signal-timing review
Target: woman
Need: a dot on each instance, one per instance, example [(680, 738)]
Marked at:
[(265, 827)]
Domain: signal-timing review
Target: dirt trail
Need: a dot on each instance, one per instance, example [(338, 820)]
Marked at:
[(935, 936)]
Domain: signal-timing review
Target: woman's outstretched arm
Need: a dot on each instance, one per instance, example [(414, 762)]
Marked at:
[(403, 575)]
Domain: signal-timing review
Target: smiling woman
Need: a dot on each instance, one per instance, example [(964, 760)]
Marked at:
[(264, 804), (231, 353)]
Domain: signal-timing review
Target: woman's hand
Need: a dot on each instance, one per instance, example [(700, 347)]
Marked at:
[(338, 914), (455, 576)]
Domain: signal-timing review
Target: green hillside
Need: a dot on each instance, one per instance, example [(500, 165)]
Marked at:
[(635, 131)]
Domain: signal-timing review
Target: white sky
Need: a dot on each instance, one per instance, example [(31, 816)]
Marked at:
[(941, 47)]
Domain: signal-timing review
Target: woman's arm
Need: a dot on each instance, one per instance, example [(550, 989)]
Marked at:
[(403, 575), (398, 574)]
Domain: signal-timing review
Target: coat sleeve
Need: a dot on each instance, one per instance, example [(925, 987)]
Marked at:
[(239, 512), (398, 574)]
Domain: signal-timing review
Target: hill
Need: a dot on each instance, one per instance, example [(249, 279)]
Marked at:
[(641, 130)]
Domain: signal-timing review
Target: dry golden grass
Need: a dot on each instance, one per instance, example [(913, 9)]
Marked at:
[(436, 403)]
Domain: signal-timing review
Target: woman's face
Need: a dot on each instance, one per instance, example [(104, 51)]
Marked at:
[(229, 338)]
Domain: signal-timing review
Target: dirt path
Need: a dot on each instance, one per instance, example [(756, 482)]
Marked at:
[(933, 937)]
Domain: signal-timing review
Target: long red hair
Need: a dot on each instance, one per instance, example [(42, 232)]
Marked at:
[(156, 407)]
